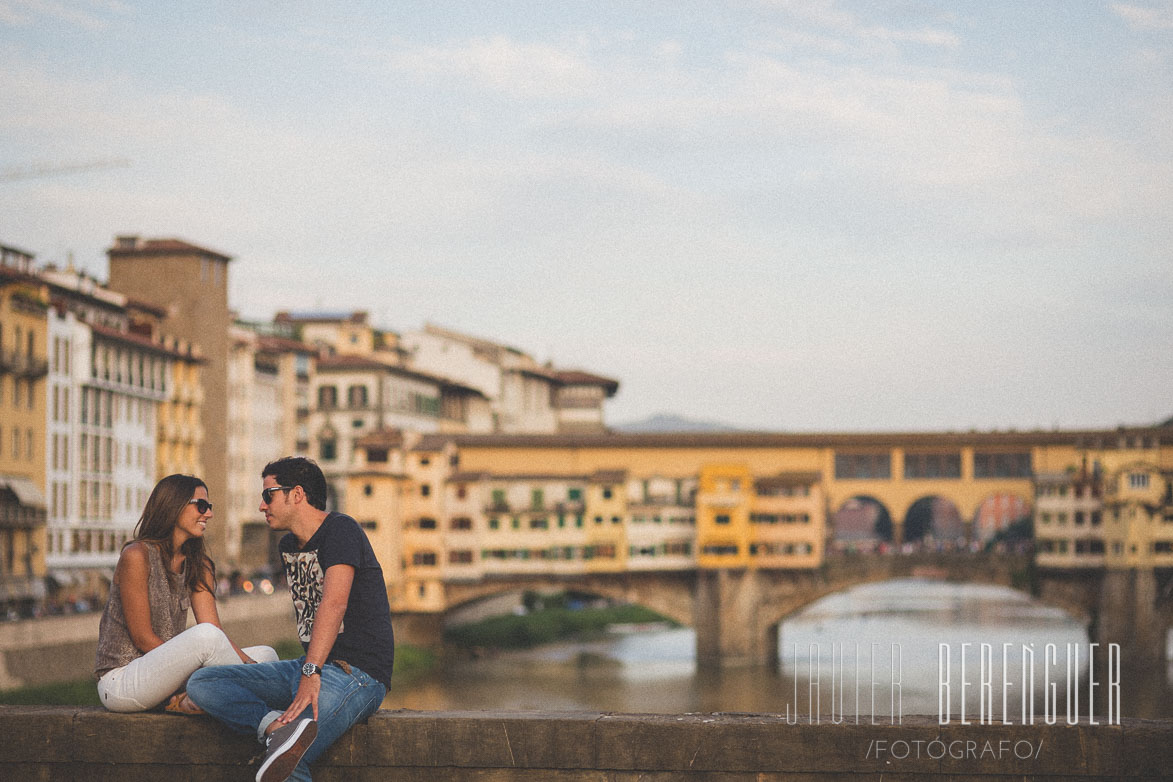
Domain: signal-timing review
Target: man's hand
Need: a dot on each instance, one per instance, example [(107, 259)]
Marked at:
[(307, 695)]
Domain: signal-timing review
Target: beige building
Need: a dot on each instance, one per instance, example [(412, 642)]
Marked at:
[(293, 363), (341, 334), (119, 396), (269, 381), (24, 304), (190, 284), (523, 395)]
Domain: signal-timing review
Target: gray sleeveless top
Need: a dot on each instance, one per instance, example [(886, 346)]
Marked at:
[(169, 599)]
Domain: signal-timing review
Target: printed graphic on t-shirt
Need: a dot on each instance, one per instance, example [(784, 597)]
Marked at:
[(305, 585)]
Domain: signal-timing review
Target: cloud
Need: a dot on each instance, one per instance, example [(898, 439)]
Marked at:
[(511, 67), (826, 14), (92, 15), (1144, 17)]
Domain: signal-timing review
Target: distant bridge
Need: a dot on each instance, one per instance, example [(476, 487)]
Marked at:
[(737, 612)]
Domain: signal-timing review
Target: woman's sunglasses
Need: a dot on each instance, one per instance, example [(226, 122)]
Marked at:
[(202, 505)]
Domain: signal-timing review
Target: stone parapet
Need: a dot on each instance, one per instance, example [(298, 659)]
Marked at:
[(61, 648), (70, 743)]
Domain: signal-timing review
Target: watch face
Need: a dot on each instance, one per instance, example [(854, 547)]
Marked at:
[(309, 669)]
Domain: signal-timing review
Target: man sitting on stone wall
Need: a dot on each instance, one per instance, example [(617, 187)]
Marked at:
[(298, 708)]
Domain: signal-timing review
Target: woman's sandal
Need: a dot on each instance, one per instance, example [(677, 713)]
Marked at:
[(181, 704)]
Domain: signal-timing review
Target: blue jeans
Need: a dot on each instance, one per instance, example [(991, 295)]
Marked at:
[(247, 698)]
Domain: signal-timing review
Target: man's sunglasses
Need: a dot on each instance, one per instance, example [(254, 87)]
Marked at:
[(267, 494), (202, 505)]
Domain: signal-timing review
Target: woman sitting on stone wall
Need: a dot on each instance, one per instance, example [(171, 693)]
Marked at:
[(144, 653)]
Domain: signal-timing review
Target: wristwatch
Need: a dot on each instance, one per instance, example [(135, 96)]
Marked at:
[(309, 669)]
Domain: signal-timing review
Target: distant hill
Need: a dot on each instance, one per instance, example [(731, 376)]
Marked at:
[(667, 422)]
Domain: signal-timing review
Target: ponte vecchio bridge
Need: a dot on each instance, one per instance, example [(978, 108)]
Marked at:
[(731, 532)]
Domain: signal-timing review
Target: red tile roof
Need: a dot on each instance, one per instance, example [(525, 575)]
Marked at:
[(164, 247), (140, 341), (283, 345), (576, 377)]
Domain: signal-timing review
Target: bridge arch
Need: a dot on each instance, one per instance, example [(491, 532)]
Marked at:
[(935, 517), (861, 522), (997, 512), (668, 594), (1074, 597)]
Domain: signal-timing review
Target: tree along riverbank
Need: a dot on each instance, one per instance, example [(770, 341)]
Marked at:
[(550, 623)]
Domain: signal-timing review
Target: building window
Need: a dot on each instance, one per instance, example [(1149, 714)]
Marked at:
[(426, 522), (607, 492), (1138, 480), (721, 518), (425, 490), (423, 558), (368, 489), (356, 397), (328, 450), (1089, 547), (932, 465), (462, 557), (327, 397), (574, 495), (863, 466), (537, 499), (1002, 465), (461, 523)]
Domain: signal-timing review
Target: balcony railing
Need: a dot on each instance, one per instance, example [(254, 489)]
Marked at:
[(22, 364)]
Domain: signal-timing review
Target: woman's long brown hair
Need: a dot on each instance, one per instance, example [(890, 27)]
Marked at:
[(168, 499)]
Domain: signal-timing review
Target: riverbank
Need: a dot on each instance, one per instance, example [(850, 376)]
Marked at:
[(411, 663)]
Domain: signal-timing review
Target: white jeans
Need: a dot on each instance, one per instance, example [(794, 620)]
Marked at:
[(145, 682)]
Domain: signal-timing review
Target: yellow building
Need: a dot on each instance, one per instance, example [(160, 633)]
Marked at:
[(606, 513), (1111, 505), (180, 444), (376, 487), (24, 364), (722, 516)]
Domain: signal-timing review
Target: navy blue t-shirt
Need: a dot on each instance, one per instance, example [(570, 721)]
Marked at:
[(365, 638)]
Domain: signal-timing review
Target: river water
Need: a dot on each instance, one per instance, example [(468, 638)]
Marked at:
[(872, 653)]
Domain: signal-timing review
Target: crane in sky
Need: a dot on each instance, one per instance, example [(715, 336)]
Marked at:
[(38, 170)]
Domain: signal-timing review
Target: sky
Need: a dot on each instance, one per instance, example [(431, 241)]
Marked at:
[(783, 215)]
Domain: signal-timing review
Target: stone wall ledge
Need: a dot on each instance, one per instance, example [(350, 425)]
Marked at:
[(51, 743)]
